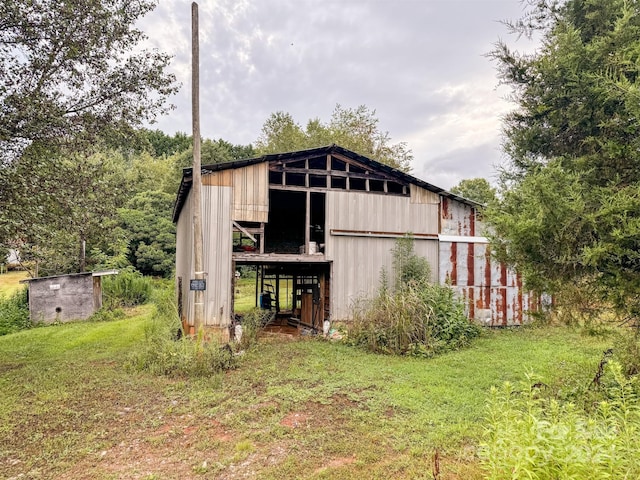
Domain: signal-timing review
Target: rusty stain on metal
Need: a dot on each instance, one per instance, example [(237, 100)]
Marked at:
[(454, 263), (470, 265)]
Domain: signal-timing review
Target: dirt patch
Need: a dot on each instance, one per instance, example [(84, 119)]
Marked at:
[(295, 420), (336, 463)]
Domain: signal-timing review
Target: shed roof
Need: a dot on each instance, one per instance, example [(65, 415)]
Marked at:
[(93, 274), (185, 184)]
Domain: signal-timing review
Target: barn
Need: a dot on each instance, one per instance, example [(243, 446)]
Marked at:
[(319, 226)]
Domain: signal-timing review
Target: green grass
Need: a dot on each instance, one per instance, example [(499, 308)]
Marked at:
[(10, 282), (293, 409)]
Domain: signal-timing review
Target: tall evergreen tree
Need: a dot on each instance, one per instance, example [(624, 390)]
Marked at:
[(570, 208)]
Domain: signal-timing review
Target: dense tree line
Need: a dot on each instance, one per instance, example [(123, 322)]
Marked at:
[(569, 209)]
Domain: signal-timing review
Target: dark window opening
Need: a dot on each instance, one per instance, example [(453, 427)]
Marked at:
[(376, 186), (339, 182), (285, 231), (355, 169), (357, 184), (275, 178), (318, 181), (298, 164), (317, 218), (319, 163), (393, 187), (296, 179), (338, 165)]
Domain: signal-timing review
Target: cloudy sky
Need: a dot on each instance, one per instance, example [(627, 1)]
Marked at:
[(420, 64)]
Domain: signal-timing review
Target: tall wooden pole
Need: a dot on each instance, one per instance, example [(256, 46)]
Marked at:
[(198, 319)]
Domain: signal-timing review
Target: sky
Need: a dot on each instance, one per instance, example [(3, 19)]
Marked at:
[(420, 64)]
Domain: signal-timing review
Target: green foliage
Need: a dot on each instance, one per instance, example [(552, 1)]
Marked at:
[(252, 322), (627, 352), (417, 318), (76, 70), (570, 196), (126, 289), (409, 268), (14, 312), (530, 436), (166, 351), (146, 219), (476, 189), (211, 152), (353, 128)]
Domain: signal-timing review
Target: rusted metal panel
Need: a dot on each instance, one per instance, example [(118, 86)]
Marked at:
[(493, 294), (251, 193), (457, 218)]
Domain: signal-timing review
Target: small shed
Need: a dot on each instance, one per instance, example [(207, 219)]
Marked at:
[(62, 298)]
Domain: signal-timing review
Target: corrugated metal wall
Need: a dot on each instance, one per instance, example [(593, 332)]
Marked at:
[(351, 210), (493, 293), (217, 240), (251, 193), (358, 260)]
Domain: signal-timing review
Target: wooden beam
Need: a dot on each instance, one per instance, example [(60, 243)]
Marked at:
[(243, 230)]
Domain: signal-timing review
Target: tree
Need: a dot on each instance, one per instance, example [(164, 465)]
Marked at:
[(476, 189), (570, 208), (67, 71), (355, 129), (151, 235)]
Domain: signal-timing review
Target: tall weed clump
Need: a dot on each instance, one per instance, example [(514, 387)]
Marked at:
[(126, 289), (14, 312), (412, 317), (166, 351), (530, 436)]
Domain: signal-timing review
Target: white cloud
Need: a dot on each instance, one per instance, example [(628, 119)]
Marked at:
[(418, 63)]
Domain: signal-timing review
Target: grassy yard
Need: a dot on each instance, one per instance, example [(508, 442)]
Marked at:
[(294, 409), (10, 282)]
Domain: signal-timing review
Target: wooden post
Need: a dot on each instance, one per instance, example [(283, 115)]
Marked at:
[(198, 319)]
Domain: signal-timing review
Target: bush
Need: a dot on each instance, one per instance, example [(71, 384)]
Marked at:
[(529, 436), (14, 312), (252, 322), (126, 289), (416, 318), (166, 351)]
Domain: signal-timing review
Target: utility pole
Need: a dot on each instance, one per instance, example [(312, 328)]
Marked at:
[(196, 188)]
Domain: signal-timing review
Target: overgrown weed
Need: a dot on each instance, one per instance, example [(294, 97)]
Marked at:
[(166, 351), (414, 317), (14, 312), (530, 435)]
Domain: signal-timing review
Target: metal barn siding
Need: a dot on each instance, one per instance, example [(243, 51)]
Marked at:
[(457, 218), (184, 260), (370, 212), (217, 242), (362, 229), (251, 193), (493, 293), (217, 239), (357, 267)]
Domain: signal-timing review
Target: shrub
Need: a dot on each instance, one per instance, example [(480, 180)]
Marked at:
[(14, 312), (252, 323), (126, 289), (165, 351), (416, 318), (529, 436)]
